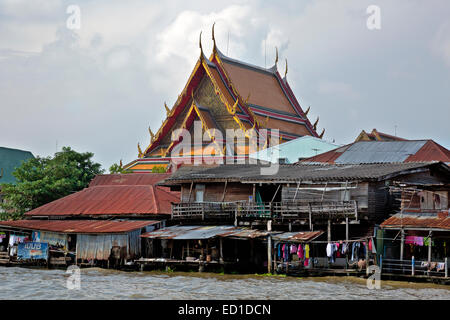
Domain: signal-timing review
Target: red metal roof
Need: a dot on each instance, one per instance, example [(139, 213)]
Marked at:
[(78, 226), (431, 151), (128, 179), (439, 221), (111, 200)]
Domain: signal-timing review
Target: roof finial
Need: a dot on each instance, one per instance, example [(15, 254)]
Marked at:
[(307, 110), (152, 135), (139, 150), (213, 37), (167, 108), (276, 55), (315, 124), (120, 164), (321, 135), (285, 72), (200, 44)]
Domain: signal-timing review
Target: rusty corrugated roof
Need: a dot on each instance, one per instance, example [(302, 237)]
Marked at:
[(79, 226), (111, 200), (418, 220), (142, 179)]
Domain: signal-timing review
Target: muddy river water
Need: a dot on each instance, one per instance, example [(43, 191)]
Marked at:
[(24, 283)]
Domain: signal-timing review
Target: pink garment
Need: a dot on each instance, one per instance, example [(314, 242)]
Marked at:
[(300, 252), (409, 239), (306, 262), (293, 248)]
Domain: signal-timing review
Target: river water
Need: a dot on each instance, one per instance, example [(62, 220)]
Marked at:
[(26, 283)]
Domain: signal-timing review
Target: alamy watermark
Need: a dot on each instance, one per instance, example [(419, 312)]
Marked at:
[(74, 280), (374, 280), (73, 22), (374, 20)]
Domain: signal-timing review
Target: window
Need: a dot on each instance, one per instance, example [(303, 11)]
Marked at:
[(199, 192)]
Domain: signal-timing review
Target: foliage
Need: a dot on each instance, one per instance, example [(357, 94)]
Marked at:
[(118, 168), (44, 179), (158, 169)]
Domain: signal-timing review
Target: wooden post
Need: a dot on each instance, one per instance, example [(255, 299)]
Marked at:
[(402, 244), (412, 266), (446, 267), (329, 230), (269, 254), (254, 192), (224, 190), (429, 247), (188, 248), (310, 216), (190, 191), (346, 229), (221, 250), (367, 256)]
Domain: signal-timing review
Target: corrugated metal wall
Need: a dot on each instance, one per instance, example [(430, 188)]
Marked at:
[(99, 246)]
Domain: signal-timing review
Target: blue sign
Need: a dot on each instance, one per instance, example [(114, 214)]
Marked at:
[(32, 250)]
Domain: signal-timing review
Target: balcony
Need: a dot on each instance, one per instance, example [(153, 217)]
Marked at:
[(276, 210)]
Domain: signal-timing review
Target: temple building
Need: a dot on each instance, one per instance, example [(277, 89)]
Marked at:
[(223, 93)]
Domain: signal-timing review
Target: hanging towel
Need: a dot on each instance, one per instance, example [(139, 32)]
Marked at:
[(329, 250)]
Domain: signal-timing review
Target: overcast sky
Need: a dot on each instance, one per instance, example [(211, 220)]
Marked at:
[(99, 88)]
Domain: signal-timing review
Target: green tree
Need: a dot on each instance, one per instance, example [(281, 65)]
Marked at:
[(44, 179), (158, 169), (118, 168)]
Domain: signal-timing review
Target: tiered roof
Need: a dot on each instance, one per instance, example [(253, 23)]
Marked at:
[(269, 103)]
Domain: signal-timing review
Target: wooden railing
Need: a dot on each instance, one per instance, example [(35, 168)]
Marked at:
[(266, 210), (203, 210)]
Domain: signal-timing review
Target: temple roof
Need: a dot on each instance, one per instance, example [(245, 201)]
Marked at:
[(269, 101)]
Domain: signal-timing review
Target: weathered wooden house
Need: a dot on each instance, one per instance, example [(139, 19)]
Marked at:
[(416, 239), (299, 194)]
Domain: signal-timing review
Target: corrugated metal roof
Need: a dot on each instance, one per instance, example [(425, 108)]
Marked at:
[(301, 171), (79, 226), (298, 236), (110, 200), (384, 152), (203, 232), (379, 151), (143, 179), (418, 220)]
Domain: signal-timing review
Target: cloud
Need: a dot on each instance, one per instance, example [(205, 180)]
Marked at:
[(100, 87), (340, 89), (441, 42)]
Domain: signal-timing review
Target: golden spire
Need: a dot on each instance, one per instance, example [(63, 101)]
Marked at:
[(276, 55), (315, 124), (167, 109), (152, 135), (200, 44), (248, 98), (213, 37), (285, 72), (321, 135), (140, 154), (307, 110), (266, 121), (120, 164)]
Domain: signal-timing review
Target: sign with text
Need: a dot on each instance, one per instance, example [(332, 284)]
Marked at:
[(32, 250)]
